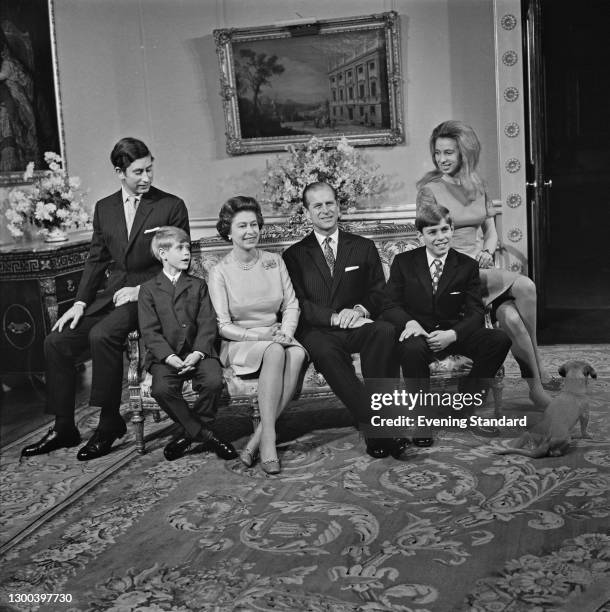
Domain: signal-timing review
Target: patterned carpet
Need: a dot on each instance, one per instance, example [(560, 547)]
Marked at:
[(452, 527)]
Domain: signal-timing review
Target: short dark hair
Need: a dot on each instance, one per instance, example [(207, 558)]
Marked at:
[(233, 206), (431, 214), (165, 237), (126, 151), (313, 186)]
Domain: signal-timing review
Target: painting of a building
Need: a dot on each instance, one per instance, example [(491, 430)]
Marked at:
[(358, 87)]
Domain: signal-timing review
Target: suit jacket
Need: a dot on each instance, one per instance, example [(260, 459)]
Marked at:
[(116, 261), (358, 278), (176, 320), (456, 305)]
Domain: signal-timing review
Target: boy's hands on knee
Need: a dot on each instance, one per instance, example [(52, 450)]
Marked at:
[(439, 340), (175, 362), (189, 363)]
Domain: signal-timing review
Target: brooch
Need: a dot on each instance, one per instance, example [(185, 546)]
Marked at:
[(269, 263)]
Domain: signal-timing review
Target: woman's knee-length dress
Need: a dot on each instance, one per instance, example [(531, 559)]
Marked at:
[(251, 299)]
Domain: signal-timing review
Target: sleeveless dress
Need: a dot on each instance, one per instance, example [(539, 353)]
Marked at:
[(253, 299), (468, 219)]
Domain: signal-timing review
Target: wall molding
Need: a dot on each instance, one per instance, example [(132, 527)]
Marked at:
[(510, 117)]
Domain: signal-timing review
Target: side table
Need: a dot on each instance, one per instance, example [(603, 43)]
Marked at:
[(38, 283)]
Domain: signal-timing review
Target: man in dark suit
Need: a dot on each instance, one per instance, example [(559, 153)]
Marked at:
[(339, 281), (106, 308), (178, 325), (433, 298)]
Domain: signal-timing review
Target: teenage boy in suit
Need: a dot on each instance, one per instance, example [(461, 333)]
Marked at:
[(339, 281), (106, 307), (178, 326), (433, 298)]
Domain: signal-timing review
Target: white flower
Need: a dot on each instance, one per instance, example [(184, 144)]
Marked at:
[(340, 165), (51, 201)]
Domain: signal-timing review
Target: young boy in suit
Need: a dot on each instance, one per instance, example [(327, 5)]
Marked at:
[(178, 325), (433, 298)]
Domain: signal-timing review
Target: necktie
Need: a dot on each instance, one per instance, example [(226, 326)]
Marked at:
[(437, 270), (132, 205), (329, 255)]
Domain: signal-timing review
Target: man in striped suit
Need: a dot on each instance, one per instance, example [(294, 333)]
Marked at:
[(339, 281)]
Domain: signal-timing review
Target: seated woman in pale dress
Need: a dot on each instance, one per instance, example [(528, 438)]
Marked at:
[(258, 314), (455, 184)]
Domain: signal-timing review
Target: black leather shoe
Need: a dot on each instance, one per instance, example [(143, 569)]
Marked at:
[(398, 446), (99, 445), (223, 449), (176, 448), (377, 448), (423, 442), (51, 441)]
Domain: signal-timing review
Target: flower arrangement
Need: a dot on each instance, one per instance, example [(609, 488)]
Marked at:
[(52, 202), (338, 164)]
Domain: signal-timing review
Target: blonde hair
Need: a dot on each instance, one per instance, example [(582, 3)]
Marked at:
[(469, 148), (165, 237)]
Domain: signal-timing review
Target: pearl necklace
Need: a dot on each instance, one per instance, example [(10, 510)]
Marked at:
[(246, 266)]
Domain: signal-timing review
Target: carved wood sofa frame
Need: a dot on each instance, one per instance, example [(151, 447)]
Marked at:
[(390, 239)]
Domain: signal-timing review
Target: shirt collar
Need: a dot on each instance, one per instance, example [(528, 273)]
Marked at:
[(171, 278), (431, 258), (322, 237)]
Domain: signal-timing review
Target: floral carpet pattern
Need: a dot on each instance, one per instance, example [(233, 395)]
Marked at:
[(451, 527)]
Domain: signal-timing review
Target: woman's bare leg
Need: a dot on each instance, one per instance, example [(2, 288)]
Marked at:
[(293, 364), (270, 387), (523, 291), (294, 357), (511, 322)]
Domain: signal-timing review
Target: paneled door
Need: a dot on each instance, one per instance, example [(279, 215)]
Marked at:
[(567, 48)]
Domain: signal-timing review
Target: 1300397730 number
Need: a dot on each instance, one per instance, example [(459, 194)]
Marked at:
[(40, 598)]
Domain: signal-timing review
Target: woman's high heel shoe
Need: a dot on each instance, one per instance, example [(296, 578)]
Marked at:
[(248, 456), (271, 466)]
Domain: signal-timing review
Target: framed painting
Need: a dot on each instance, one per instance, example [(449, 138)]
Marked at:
[(30, 107), (283, 84)]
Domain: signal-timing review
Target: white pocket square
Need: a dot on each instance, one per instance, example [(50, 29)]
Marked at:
[(455, 293), (350, 268)]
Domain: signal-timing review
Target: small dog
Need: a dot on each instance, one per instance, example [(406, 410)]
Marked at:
[(551, 436)]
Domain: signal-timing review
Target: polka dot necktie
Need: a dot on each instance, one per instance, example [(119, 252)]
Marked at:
[(437, 270)]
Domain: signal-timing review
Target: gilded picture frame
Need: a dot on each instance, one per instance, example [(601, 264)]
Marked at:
[(30, 102), (283, 84)]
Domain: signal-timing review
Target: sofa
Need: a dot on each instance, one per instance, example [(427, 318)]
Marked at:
[(389, 237)]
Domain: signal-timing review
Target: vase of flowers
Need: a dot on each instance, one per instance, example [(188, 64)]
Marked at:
[(337, 163), (53, 202)]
